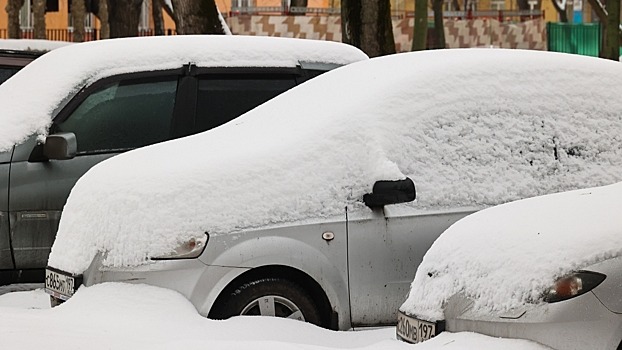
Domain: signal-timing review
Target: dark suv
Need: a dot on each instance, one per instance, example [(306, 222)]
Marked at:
[(116, 95)]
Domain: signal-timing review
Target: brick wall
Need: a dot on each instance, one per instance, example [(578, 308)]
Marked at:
[(458, 33)]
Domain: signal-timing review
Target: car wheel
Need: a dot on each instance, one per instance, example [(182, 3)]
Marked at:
[(270, 297)]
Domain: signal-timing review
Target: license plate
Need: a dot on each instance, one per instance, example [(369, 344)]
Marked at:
[(60, 284), (413, 330)]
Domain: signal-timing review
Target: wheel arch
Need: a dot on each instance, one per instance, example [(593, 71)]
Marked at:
[(330, 318)]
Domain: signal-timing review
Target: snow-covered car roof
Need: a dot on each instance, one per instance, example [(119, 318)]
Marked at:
[(36, 91), (30, 45), (506, 257), (471, 127)]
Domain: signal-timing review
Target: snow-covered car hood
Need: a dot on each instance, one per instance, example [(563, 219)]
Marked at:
[(31, 96), (472, 127), (507, 256)]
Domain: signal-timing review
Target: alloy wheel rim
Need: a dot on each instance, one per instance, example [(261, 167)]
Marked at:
[(273, 305)]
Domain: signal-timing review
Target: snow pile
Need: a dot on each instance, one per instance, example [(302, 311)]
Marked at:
[(123, 316), (31, 299), (472, 127), (506, 256), (32, 45), (69, 69)]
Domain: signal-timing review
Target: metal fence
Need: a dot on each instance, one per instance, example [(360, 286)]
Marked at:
[(582, 39), (90, 34)]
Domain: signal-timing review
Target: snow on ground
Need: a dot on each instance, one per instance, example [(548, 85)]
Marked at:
[(124, 316), (506, 256), (471, 127), (69, 69)]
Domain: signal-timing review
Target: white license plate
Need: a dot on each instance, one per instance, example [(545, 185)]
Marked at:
[(59, 285), (413, 330)]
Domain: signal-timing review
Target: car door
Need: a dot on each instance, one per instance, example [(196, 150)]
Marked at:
[(112, 116), (6, 259), (385, 247)]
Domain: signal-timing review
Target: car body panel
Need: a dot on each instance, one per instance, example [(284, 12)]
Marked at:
[(608, 292), (6, 261), (578, 323), (223, 260), (38, 191), (361, 248), (384, 250)]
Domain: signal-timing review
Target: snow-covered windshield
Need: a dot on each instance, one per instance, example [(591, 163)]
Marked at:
[(506, 256), (30, 97), (471, 127)]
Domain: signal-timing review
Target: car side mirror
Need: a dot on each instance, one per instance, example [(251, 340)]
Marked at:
[(390, 192), (60, 146)]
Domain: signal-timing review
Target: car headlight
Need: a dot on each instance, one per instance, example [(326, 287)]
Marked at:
[(573, 285), (192, 248)]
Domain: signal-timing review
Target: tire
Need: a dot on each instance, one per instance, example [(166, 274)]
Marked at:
[(269, 297)]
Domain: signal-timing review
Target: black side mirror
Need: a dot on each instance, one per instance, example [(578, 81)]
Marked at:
[(60, 146), (390, 192)]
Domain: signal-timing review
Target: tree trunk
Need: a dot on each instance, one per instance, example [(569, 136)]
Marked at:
[(12, 9), (561, 10), (38, 14), (158, 20), (78, 14), (601, 12), (611, 47), (123, 17), (420, 35), (197, 17), (102, 14), (367, 25), (439, 26)]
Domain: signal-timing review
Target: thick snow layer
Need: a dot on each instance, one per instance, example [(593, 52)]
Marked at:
[(472, 127), (31, 44), (121, 316), (36, 91), (506, 256)]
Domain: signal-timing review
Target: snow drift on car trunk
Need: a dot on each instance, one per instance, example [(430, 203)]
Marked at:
[(472, 127)]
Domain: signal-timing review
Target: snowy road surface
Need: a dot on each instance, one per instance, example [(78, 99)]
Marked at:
[(122, 316)]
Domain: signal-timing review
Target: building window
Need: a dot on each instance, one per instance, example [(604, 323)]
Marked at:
[(25, 16), (243, 3), (145, 13)]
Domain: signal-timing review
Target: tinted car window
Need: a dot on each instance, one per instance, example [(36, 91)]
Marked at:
[(123, 115), (6, 73), (222, 98)]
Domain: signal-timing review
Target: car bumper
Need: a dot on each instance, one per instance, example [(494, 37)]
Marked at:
[(198, 282), (579, 323)]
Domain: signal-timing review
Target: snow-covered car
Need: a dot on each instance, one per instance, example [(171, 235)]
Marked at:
[(16, 54), (547, 269), (80, 104), (292, 212)]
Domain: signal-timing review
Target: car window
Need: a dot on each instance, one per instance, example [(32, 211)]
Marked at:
[(222, 98), (6, 73), (123, 115)]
